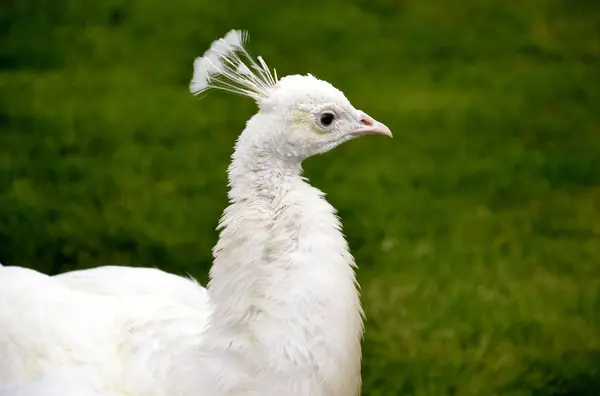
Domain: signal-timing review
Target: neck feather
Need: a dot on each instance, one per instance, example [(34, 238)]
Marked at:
[(283, 280)]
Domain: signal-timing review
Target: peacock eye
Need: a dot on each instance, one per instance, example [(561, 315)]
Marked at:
[(326, 118)]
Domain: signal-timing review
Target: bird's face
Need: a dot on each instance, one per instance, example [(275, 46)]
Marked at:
[(317, 117)]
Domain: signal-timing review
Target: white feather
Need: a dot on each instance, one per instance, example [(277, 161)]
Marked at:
[(223, 67)]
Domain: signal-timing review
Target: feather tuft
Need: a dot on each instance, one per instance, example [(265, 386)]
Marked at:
[(227, 66)]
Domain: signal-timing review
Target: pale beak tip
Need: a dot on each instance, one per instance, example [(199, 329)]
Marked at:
[(379, 128), (387, 132)]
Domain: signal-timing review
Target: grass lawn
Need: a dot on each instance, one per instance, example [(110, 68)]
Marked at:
[(477, 229)]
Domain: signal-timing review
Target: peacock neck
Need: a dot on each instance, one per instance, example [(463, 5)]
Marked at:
[(283, 280), (262, 175)]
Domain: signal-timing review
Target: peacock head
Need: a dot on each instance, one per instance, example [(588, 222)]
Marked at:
[(299, 115)]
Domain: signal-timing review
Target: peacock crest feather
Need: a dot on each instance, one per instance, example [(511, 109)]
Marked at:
[(227, 66)]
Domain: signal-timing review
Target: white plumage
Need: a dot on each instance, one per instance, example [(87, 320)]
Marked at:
[(282, 313)]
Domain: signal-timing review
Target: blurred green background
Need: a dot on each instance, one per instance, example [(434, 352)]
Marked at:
[(477, 229)]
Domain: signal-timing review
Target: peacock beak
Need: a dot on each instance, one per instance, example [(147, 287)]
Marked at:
[(370, 126)]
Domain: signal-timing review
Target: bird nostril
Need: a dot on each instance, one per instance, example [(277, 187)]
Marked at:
[(366, 121)]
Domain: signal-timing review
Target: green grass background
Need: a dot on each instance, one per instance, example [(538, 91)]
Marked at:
[(477, 229)]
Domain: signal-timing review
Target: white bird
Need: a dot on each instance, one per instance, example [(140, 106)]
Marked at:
[(282, 314)]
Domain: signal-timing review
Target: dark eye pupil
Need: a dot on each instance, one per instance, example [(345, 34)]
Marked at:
[(326, 119)]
